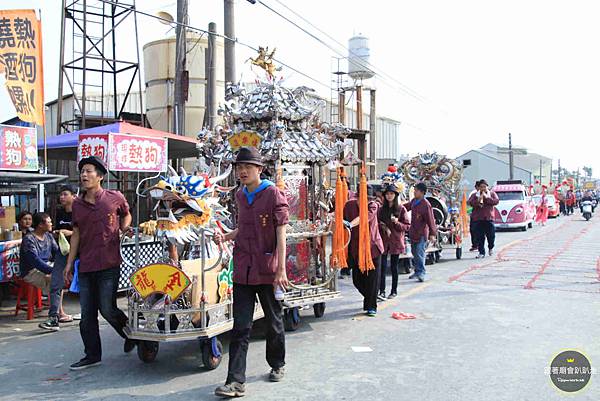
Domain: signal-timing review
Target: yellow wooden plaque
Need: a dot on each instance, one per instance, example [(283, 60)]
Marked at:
[(244, 138), (160, 278)]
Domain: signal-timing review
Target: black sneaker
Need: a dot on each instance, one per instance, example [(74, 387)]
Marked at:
[(392, 295), (414, 275), (51, 324), (491, 252), (84, 364), (276, 375), (129, 345), (231, 390), (381, 296)]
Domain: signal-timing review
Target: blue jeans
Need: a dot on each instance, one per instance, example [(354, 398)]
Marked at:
[(98, 292), (418, 251), (57, 283)]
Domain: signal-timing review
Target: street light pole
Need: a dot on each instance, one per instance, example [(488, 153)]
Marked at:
[(511, 162)]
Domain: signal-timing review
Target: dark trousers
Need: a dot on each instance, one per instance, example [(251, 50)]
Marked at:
[(485, 229), (244, 298), (366, 283), (98, 292), (394, 259), (473, 235)]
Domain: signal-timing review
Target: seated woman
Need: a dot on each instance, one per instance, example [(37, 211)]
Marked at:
[(38, 249), (25, 219)]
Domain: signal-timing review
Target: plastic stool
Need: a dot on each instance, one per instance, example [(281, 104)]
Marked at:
[(33, 296)]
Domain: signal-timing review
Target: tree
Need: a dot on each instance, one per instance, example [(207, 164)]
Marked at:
[(588, 171)]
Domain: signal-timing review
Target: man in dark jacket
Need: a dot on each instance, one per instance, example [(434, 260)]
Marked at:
[(258, 269), (422, 227), (483, 202)]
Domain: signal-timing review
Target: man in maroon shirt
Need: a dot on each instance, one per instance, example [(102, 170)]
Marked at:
[(258, 269), (98, 215), (422, 226), (366, 283), (482, 216)]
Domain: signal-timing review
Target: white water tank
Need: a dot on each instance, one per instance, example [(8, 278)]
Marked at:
[(159, 77), (358, 58)]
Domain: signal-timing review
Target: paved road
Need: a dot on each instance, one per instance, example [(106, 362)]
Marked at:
[(484, 331)]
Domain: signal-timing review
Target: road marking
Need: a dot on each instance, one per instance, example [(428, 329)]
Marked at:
[(549, 260), (385, 304)]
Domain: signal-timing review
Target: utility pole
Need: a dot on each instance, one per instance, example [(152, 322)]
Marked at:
[(212, 75), (181, 81), (558, 178), (541, 182), (362, 151), (511, 160), (229, 28), (372, 135)]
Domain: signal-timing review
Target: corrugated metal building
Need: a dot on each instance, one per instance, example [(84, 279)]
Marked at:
[(480, 164)]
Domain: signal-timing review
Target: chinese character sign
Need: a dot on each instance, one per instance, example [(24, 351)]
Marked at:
[(93, 145), (9, 260), (134, 153), (160, 278), (18, 148), (21, 62)]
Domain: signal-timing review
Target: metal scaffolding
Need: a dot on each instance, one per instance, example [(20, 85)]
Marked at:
[(97, 66)]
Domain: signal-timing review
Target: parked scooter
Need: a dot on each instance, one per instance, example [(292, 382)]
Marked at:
[(587, 209)]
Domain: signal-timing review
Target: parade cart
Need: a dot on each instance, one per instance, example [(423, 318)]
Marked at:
[(283, 125), (185, 293), (442, 177)]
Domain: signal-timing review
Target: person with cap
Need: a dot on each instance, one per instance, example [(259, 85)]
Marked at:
[(366, 283), (393, 225), (482, 216), (422, 228), (98, 216), (259, 257)]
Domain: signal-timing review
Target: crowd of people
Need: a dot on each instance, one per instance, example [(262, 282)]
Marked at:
[(88, 226)]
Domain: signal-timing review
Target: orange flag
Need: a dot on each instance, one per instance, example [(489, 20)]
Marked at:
[(464, 216), (21, 62), (338, 254), (365, 262)]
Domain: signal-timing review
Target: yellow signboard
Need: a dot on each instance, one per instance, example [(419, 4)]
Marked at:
[(589, 185), (160, 278), (244, 138), (21, 62)]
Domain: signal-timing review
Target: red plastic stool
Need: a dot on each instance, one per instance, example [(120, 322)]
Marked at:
[(31, 293)]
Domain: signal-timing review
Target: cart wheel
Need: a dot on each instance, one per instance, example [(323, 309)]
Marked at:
[(147, 350), (524, 228), (437, 256), (319, 309), (212, 353), (458, 253), (530, 225), (291, 319)]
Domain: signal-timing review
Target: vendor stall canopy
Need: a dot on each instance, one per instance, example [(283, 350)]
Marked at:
[(64, 146), (283, 124)]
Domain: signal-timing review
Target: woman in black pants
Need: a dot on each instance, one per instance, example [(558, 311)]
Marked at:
[(393, 224)]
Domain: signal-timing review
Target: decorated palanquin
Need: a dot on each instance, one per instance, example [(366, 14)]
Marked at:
[(443, 177), (283, 125)]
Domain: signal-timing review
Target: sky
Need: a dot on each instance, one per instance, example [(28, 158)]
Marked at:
[(480, 69)]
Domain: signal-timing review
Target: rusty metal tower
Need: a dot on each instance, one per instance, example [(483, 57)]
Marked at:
[(98, 62)]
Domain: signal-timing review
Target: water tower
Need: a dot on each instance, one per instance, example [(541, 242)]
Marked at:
[(358, 58)]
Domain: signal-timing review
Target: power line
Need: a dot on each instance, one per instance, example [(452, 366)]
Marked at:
[(204, 31), (401, 87)]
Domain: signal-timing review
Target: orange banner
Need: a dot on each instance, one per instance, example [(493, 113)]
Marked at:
[(21, 62)]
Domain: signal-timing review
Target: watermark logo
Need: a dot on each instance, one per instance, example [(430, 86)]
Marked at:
[(570, 371)]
